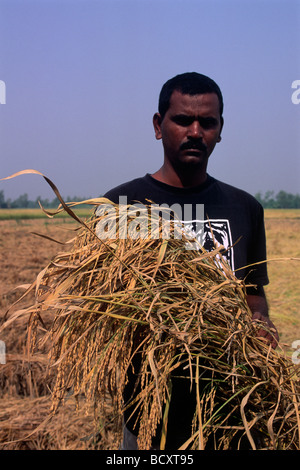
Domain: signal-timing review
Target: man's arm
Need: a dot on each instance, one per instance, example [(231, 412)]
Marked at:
[(260, 313)]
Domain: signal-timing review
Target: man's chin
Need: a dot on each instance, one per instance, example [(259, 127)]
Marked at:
[(193, 161)]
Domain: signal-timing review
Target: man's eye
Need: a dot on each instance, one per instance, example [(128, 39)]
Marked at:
[(209, 123), (183, 120)]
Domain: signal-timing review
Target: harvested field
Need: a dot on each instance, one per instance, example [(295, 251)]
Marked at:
[(25, 390)]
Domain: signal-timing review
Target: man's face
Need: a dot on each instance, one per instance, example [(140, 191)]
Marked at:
[(190, 129)]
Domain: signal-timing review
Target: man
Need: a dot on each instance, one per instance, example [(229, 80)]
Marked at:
[(189, 122)]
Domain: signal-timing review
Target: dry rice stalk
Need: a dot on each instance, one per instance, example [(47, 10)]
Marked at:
[(176, 308)]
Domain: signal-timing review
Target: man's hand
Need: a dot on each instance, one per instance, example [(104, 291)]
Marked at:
[(268, 331), (260, 314)]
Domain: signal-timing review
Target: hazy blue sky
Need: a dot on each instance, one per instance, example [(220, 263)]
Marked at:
[(83, 77)]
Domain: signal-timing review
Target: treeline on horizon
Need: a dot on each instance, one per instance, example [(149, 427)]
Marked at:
[(23, 202), (270, 200), (281, 200)]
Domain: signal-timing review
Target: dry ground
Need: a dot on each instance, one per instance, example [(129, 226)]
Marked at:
[(283, 291), (24, 390)]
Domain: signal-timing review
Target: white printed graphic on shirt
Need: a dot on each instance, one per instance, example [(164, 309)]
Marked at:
[(211, 234)]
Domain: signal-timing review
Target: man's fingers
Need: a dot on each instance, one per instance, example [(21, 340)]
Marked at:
[(268, 334)]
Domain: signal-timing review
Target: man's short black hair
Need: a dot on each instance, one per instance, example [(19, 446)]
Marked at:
[(190, 83)]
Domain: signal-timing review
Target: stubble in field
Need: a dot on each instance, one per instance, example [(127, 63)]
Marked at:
[(283, 291)]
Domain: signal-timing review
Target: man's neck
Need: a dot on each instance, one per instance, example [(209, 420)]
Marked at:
[(180, 180)]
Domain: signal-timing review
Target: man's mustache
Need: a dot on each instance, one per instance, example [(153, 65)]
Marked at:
[(193, 145)]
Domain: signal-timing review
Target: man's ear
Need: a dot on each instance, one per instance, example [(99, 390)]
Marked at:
[(222, 124), (157, 125)]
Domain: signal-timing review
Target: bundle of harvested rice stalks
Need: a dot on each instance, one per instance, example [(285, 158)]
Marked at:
[(177, 309)]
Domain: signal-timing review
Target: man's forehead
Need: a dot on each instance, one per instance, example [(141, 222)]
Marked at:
[(191, 103)]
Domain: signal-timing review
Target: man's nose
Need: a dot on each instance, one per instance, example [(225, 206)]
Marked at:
[(195, 130)]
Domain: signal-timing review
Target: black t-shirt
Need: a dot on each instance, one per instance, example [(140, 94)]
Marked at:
[(230, 217)]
